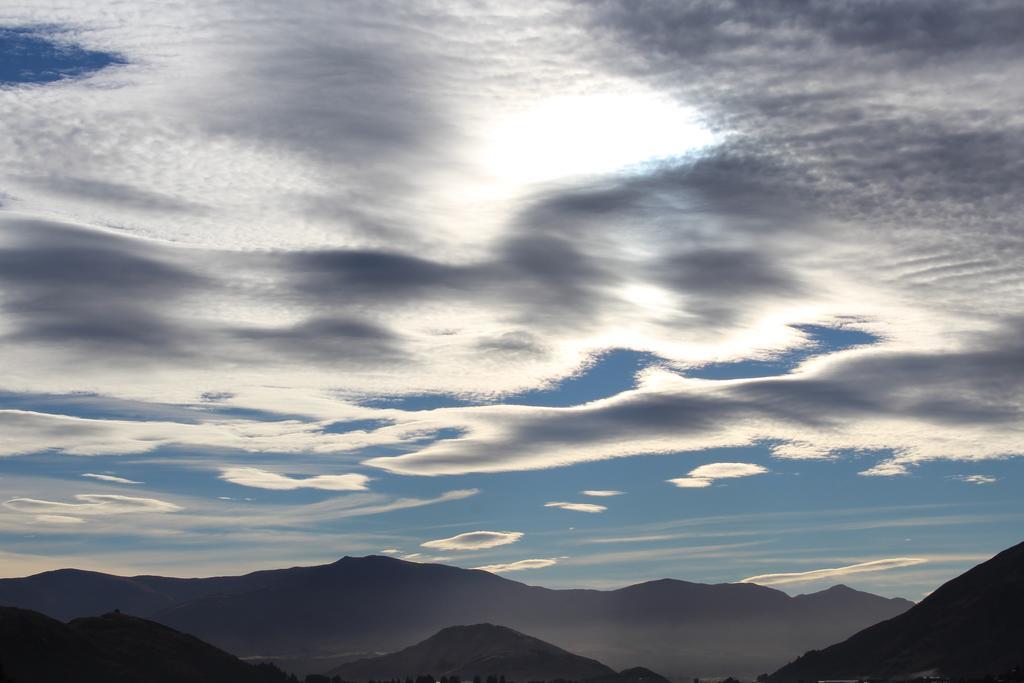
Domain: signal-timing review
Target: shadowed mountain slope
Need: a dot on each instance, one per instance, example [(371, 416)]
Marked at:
[(380, 604), (483, 649), (971, 626), (113, 648)]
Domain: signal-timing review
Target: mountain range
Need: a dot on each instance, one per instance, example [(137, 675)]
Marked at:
[(971, 626), (113, 648), (358, 606)]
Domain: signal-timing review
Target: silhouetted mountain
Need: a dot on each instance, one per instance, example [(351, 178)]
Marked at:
[(971, 626), (380, 604), (113, 648), (483, 649)]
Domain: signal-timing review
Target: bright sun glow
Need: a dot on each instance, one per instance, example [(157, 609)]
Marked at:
[(591, 135)]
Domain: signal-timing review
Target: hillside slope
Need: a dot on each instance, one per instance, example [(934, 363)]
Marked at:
[(477, 650), (971, 626), (113, 648)]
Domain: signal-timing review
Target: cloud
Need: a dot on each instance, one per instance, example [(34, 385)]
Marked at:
[(976, 478), (705, 475), (475, 540), (110, 478), (888, 468), (690, 483), (59, 519), (577, 507), (727, 470), (815, 574), (262, 479), (406, 503), (92, 505), (520, 565), (602, 493)]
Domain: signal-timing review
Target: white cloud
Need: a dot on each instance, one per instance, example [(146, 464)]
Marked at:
[(390, 551), (475, 540), (577, 507), (602, 493), (888, 468), (518, 566), (690, 483), (262, 479), (705, 475), (815, 574), (111, 478), (59, 519), (976, 478), (727, 470), (92, 504)]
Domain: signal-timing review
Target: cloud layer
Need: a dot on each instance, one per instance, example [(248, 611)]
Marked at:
[(343, 242)]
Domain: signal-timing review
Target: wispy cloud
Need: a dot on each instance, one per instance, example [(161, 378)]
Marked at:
[(475, 540), (976, 478), (405, 503), (602, 493), (576, 507), (887, 468), (262, 479), (690, 483), (59, 519), (518, 566), (705, 475), (110, 478), (815, 574), (92, 504)]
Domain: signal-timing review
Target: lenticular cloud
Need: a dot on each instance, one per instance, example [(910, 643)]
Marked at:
[(475, 540)]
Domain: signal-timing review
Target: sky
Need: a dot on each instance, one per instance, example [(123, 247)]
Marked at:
[(585, 294)]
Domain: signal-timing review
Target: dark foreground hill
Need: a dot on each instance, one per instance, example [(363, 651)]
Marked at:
[(113, 648), (379, 604), (480, 650), (969, 627)]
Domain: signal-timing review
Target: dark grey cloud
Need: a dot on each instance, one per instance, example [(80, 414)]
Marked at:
[(330, 341), (114, 194), (721, 282), (516, 343), (542, 278), (889, 111), (75, 287)]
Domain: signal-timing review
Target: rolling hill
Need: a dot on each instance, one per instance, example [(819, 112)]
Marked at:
[(113, 648), (478, 650), (971, 626)]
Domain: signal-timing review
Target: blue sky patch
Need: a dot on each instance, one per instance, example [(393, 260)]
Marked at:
[(39, 56)]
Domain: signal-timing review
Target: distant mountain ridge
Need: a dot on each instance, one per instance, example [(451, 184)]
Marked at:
[(381, 604), (477, 650), (970, 626), (113, 648)]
